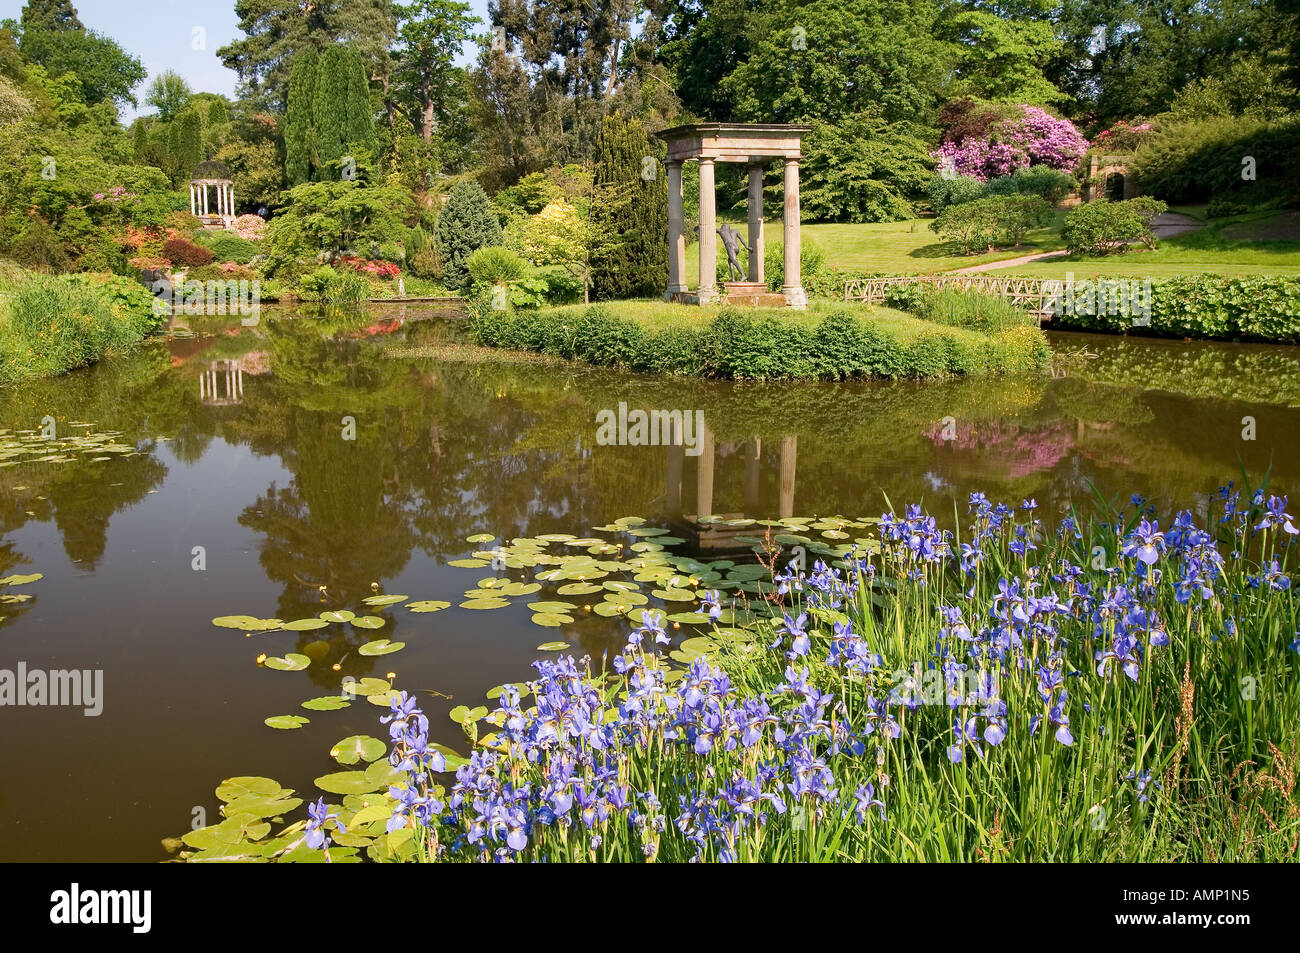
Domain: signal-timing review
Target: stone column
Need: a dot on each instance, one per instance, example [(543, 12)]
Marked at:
[(673, 475), (756, 223), (753, 456), (205, 199), (230, 194), (708, 290), (789, 454), (676, 236), (704, 474), (792, 284), (191, 198)]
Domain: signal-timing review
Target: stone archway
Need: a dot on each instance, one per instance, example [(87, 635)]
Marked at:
[(1109, 178)]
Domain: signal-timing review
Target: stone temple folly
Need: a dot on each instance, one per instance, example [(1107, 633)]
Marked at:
[(754, 144)]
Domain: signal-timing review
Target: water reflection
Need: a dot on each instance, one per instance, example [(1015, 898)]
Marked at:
[(238, 440)]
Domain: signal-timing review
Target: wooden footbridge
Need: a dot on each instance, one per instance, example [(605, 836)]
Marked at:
[(1036, 295)]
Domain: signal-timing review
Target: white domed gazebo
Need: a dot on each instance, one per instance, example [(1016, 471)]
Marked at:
[(212, 175)]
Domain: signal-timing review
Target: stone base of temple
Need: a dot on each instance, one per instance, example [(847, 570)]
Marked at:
[(795, 298), (747, 294)]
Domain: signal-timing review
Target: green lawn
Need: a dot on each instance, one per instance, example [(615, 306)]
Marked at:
[(911, 248)]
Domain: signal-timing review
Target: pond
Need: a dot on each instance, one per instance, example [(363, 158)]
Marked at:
[(302, 465)]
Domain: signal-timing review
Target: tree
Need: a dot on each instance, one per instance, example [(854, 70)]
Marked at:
[(277, 30), (429, 36), (168, 94), (189, 144), (468, 222), (299, 127), (360, 128), (330, 106), (53, 37), (332, 217), (863, 169), (629, 213)]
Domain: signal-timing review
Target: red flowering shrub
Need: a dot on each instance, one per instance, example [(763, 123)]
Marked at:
[(380, 269), (182, 251)]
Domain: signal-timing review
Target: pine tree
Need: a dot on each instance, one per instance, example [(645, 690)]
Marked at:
[(299, 130), (330, 110), (629, 213), (189, 144), (467, 223)]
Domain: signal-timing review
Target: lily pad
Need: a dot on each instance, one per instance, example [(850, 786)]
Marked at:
[(381, 647), (305, 625), (368, 622), (480, 538), (485, 604), (341, 615), (468, 563), (356, 748), (327, 703), (551, 606), (380, 601), (292, 662), (19, 580), (552, 646), (233, 788), (551, 619), (427, 605), (287, 722), (347, 782)]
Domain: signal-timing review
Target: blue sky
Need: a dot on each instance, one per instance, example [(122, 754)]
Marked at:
[(162, 34)]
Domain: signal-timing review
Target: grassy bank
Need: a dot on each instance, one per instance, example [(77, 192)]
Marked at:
[(827, 342), (52, 324)]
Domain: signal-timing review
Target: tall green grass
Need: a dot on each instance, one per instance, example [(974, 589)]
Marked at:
[(52, 324)]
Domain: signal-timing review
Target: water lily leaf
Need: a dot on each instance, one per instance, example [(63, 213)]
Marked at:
[(341, 615), (463, 714), (20, 580), (552, 646), (689, 618), (368, 622), (292, 662), (286, 722), (557, 537), (246, 622), (520, 588), (383, 699), (611, 609), (367, 686), (232, 788), (551, 606), (382, 774), (327, 703), (356, 748), (618, 585), (381, 647), (256, 806), (551, 619), (485, 604), (316, 650), (468, 563), (626, 599), (380, 601), (675, 595), (347, 782), (480, 538), (428, 605), (305, 625)]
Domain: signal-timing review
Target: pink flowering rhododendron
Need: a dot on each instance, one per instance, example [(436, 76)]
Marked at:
[(251, 227), (383, 269), (1034, 138)]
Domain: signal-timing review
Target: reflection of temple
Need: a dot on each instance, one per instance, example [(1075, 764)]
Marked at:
[(719, 536), (221, 383)]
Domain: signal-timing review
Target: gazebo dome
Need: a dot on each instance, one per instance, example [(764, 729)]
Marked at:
[(211, 169)]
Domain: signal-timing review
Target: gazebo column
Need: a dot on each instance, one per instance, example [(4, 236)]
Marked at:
[(708, 289), (676, 233), (792, 283), (205, 199), (230, 197), (191, 198), (756, 223)]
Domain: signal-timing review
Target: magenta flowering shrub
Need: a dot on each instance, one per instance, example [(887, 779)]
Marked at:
[(1034, 138)]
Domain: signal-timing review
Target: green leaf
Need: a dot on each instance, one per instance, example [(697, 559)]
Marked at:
[(292, 662), (381, 647), (356, 748), (327, 703), (347, 782), (286, 722)]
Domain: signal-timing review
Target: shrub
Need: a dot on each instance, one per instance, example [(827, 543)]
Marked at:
[(812, 262), (946, 190), (1190, 161), (182, 251), (250, 227), (972, 226), (227, 246), (1101, 227), (971, 309), (494, 265), (742, 344), (468, 222), (330, 286), (1220, 207), (1051, 185)]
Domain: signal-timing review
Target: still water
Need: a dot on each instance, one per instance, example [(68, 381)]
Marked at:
[(290, 468)]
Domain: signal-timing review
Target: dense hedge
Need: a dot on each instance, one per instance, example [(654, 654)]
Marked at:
[(743, 345), (1263, 308)]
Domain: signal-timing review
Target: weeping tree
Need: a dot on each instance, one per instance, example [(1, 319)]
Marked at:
[(629, 213)]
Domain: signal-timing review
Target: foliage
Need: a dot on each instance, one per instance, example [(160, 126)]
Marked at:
[(52, 37), (812, 263), (493, 265), (467, 223), (49, 325), (1192, 161), (299, 128), (629, 213), (764, 346), (977, 225), (1260, 308), (333, 287), (1101, 227), (969, 309), (862, 169), (429, 37), (182, 251), (331, 217)]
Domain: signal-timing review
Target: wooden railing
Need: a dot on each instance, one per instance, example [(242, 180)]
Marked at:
[(1035, 295)]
